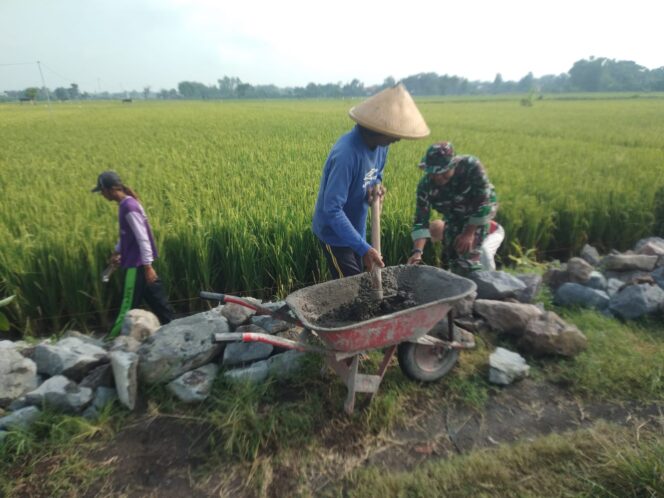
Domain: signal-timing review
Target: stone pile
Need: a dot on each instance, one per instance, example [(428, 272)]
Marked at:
[(78, 374), (626, 285), (503, 304)]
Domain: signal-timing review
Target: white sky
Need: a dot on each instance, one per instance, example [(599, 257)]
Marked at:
[(129, 44)]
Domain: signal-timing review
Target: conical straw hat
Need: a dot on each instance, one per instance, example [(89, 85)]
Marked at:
[(391, 112)]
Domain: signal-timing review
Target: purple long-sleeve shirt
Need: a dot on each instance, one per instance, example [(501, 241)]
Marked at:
[(136, 245)]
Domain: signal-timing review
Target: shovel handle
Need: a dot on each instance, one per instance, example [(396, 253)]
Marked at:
[(376, 278)]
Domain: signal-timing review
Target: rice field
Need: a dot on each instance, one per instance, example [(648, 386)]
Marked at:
[(229, 188)]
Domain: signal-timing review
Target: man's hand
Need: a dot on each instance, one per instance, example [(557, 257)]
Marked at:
[(115, 259), (371, 258), (376, 191), (150, 274), (466, 240)]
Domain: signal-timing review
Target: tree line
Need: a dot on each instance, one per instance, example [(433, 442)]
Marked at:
[(595, 74)]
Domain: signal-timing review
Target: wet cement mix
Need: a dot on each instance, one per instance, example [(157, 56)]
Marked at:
[(367, 306)]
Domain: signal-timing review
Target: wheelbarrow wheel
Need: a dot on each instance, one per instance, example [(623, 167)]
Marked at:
[(426, 363)]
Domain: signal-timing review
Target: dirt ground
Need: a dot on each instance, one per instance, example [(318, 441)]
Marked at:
[(162, 456)]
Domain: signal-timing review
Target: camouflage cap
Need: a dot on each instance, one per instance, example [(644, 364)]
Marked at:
[(438, 158)]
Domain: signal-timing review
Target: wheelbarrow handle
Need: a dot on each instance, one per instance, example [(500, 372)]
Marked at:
[(225, 298), (260, 310)]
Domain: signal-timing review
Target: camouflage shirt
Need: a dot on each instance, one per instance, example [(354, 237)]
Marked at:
[(467, 199)]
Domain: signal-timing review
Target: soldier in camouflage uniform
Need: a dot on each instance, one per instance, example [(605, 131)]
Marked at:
[(459, 189)]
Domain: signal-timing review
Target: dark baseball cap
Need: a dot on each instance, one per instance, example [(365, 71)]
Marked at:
[(107, 180)]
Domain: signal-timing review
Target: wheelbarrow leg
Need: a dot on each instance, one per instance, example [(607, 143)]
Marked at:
[(356, 382), (389, 353)]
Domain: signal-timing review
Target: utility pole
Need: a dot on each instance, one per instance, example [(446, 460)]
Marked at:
[(48, 97)]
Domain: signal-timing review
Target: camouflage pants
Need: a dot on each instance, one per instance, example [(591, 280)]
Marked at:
[(469, 261)]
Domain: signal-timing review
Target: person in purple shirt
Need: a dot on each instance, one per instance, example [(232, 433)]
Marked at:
[(135, 252), (352, 178)]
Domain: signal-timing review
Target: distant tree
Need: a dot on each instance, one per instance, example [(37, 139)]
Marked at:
[(228, 86), (656, 80), (388, 82), (31, 93), (527, 83), (146, 92), (586, 75), (73, 91), (497, 85), (244, 90), (353, 89), (61, 93)]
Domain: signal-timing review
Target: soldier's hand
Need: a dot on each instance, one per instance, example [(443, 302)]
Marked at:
[(464, 242)]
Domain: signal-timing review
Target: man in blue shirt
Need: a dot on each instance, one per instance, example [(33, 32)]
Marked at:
[(352, 178)]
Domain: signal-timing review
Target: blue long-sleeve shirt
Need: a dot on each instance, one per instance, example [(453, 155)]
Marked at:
[(340, 215)]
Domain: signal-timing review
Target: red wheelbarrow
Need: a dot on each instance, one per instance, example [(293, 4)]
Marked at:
[(348, 321)]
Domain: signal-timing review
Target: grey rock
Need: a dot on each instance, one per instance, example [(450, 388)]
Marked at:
[(653, 246), (85, 338), (506, 367), (464, 307), (626, 276), (590, 255), (20, 419), (533, 283), (274, 306), (70, 356), (511, 318), (18, 375), (104, 396), (658, 276), (126, 343), (628, 262), (236, 314), (125, 373), (62, 394), (475, 325), (180, 346), (102, 376), (555, 277), (139, 324), (22, 347), (194, 386), (635, 301), (285, 364), (269, 324), (613, 286), (550, 334), (256, 372), (238, 353), (496, 284), (18, 403), (596, 281), (90, 413), (579, 270), (571, 294)]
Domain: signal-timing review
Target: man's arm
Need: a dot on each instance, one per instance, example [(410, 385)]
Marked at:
[(140, 230), (334, 200)]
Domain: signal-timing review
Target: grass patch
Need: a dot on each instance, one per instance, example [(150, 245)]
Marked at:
[(50, 458), (604, 461), (623, 360)]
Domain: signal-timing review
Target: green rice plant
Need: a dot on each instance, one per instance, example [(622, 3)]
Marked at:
[(230, 187)]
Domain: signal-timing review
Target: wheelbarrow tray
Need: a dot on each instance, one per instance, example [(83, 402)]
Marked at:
[(434, 292)]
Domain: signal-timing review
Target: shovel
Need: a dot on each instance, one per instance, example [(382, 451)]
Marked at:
[(376, 278)]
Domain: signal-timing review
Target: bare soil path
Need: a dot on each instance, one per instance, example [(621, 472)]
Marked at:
[(164, 456)]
